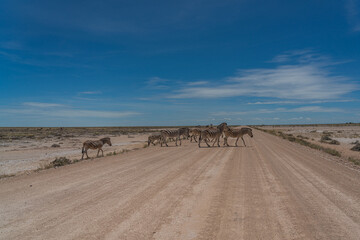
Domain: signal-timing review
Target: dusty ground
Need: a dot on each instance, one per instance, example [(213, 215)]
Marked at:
[(24, 155), (272, 189), (345, 135)]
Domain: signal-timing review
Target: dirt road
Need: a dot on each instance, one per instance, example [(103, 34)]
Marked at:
[(272, 189)]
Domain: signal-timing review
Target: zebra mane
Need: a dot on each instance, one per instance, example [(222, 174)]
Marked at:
[(105, 139)]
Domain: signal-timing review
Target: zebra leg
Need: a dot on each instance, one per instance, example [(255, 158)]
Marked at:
[(218, 141), (199, 140), (243, 141), (180, 140), (226, 142), (102, 152), (214, 141), (205, 139), (195, 138), (86, 153), (98, 152), (236, 141)]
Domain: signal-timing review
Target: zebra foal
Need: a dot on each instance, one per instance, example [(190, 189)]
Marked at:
[(195, 132), (153, 138), (237, 133), (98, 144), (212, 133)]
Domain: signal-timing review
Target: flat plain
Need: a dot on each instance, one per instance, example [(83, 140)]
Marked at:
[(271, 189)]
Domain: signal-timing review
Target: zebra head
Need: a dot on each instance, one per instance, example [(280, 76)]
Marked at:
[(223, 127), (250, 132), (106, 140)]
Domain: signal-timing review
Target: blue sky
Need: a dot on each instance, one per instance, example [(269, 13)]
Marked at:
[(128, 63)]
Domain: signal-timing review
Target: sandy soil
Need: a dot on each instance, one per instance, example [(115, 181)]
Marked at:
[(22, 155), (272, 189), (346, 135)]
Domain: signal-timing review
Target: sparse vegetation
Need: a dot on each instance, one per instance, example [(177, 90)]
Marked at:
[(6, 175), (61, 161), (326, 139), (356, 147), (55, 145), (302, 142), (354, 160)]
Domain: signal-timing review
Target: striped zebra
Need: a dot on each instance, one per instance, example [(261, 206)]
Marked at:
[(212, 133), (195, 132), (185, 132), (153, 138), (237, 133), (165, 134), (98, 144)]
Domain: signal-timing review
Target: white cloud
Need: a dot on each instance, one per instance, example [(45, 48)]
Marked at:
[(69, 113), (307, 79), (299, 102), (157, 83), (42, 105), (352, 8), (197, 83), (91, 92), (317, 109)]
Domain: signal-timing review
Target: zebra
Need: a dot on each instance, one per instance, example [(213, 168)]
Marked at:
[(185, 132), (194, 133), (98, 144), (213, 134), (237, 133), (165, 134), (153, 138)]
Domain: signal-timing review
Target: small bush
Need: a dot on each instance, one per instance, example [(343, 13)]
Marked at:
[(334, 142), (354, 160), (62, 161), (356, 147), (325, 138), (55, 145)]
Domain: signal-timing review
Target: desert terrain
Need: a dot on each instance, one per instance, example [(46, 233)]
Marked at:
[(25, 149), (271, 189)]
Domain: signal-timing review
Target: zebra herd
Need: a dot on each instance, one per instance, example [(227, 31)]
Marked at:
[(206, 135)]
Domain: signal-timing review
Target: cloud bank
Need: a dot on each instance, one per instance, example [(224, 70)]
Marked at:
[(299, 75)]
